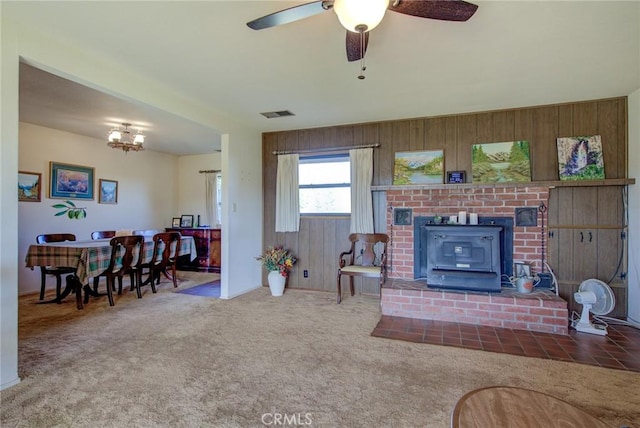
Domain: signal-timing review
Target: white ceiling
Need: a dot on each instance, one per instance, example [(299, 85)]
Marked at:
[(509, 54)]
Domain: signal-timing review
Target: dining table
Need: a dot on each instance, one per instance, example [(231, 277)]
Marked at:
[(90, 258)]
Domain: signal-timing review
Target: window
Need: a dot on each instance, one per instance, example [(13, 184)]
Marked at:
[(325, 184)]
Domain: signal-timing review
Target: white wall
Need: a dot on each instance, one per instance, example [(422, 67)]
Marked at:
[(147, 190), (241, 213), (9, 75), (633, 313), (191, 184)]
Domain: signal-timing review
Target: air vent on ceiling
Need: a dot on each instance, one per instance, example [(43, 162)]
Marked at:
[(273, 114)]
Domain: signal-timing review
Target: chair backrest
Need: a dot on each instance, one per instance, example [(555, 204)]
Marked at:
[(55, 237), (127, 253), (103, 234), (363, 248), (166, 246)]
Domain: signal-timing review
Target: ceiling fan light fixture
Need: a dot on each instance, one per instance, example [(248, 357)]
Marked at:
[(360, 15)]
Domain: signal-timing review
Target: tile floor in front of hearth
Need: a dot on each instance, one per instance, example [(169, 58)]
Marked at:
[(620, 349)]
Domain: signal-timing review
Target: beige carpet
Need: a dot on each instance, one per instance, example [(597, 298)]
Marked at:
[(175, 360)]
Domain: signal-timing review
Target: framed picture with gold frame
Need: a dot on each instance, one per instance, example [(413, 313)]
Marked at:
[(29, 186), (108, 191)]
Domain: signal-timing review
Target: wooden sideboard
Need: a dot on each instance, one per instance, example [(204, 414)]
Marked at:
[(207, 246)]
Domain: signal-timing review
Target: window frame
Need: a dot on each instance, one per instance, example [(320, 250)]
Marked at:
[(309, 159)]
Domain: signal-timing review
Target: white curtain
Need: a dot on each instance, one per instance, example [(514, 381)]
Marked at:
[(361, 198), (287, 194), (211, 199)]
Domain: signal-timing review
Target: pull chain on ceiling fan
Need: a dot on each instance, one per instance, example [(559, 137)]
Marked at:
[(359, 17), (362, 66)]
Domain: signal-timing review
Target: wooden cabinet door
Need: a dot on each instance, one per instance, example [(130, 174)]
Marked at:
[(585, 254), (560, 250), (585, 240), (215, 250)]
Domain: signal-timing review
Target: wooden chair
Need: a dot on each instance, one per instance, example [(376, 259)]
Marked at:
[(126, 259), (362, 259), (51, 270), (166, 246), (103, 234)]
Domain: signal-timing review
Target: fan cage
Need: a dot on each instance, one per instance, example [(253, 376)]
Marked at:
[(606, 300)]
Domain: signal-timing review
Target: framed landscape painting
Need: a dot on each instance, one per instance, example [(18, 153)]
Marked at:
[(580, 158), (425, 167), (70, 181), (108, 192), (500, 162), (29, 186)]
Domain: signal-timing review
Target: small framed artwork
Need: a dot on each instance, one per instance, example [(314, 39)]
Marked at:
[(186, 220), (402, 216), (108, 192), (176, 222), (425, 167), (29, 186), (70, 181), (456, 177), (522, 269)]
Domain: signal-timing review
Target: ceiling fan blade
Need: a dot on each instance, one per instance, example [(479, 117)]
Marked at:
[(354, 46), (294, 13), (445, 10)]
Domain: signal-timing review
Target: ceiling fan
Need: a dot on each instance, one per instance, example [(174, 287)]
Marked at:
[(361, 16)]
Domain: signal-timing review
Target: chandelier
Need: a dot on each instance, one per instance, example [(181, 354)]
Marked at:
[(120, 138)]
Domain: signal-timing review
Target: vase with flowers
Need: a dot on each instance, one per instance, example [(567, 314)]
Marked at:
[(278, 262)]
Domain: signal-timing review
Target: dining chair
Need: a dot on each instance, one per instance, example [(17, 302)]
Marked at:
[(126, 259), (57, 272), (103, 234), (166, 246), (362, 259)]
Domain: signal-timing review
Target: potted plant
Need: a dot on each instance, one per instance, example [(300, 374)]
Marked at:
[(278, 262)]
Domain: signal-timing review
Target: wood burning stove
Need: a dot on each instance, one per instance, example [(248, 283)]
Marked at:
[(464, 257)]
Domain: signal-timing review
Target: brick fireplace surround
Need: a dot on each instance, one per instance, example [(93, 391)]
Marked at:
[(403, 297)]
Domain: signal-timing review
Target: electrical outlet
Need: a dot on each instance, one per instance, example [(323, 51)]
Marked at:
[(305, 273)]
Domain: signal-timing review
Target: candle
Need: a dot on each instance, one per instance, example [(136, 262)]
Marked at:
[(473, 218), (453, 219), (462, 217)]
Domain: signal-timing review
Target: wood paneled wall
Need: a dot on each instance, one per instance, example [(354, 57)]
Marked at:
[(321, 239)]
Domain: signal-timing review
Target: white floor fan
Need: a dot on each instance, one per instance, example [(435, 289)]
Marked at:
[(596, 297)]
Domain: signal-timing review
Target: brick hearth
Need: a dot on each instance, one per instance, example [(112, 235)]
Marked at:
[(541, 310)]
